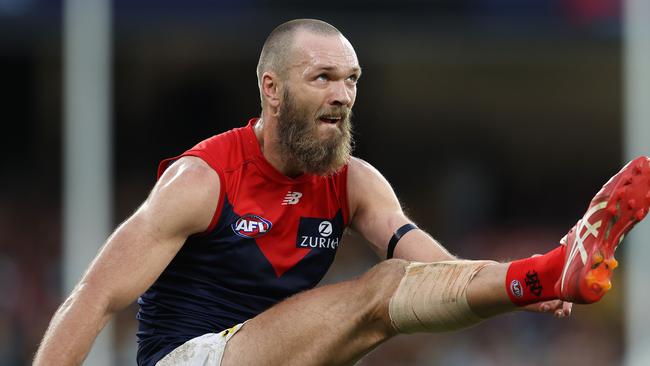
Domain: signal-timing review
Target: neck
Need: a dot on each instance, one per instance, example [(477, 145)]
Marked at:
[(266, 133)]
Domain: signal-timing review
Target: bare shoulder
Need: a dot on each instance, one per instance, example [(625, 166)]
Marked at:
[(186, 194), (188, 170), (362, 172), (368, 190), (363, 178)]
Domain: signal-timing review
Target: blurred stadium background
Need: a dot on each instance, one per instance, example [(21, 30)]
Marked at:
[(495, 120)]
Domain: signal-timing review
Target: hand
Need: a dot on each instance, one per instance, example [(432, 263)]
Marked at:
[(560, 309)]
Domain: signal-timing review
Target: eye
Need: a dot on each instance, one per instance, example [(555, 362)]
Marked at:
[(353, 78), (322, 77)]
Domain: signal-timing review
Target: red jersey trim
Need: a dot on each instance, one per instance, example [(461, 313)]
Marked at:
[(203, 155)]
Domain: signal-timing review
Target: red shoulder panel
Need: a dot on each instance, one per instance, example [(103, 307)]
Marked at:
[(219, 152)]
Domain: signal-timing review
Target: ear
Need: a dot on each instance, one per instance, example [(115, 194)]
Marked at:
[(271, 89)]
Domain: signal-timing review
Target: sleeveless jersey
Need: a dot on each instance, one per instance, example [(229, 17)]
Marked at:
[(271, 237)]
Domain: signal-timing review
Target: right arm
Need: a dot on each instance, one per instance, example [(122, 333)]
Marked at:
[(182, 203)]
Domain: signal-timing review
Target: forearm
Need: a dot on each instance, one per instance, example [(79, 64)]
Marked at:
[(73, 328)]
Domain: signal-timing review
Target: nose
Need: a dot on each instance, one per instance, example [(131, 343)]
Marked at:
[(341, 93)]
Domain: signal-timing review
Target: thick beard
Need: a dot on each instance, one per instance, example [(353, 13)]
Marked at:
[(300, 144)]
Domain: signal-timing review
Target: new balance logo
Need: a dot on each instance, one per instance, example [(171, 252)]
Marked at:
[(291, 198)]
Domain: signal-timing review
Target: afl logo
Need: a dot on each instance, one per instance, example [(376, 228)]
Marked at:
[(251, 226), (325, 229), (515, 288)]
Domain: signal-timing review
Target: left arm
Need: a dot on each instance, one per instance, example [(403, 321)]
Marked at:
[(376, 213)]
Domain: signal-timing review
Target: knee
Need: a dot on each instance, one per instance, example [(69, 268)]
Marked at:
[(379, 285), (385, 276)]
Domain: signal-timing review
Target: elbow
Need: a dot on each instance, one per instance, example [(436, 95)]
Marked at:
[(92, 297)]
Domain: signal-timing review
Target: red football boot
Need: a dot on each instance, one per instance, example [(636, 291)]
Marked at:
[(590, 245)]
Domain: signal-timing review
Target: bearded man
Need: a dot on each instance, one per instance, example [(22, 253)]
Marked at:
[(226, 250)]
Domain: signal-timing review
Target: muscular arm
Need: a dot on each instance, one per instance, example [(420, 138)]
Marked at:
[(376, 214), (182, 203)]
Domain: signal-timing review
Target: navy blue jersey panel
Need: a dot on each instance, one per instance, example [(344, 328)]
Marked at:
[(220, 279)]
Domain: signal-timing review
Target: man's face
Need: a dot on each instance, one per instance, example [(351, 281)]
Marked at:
[(314, 125)]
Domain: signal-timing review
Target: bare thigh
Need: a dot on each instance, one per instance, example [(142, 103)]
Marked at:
[(330, 325)]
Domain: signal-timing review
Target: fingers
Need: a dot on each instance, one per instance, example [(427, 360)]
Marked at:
[(551, 306), (567, 307), (558, 308)]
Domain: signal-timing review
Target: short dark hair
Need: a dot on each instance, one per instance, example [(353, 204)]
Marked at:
[(277, 47)]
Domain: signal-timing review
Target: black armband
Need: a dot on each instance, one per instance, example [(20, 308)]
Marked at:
[(396, 237)]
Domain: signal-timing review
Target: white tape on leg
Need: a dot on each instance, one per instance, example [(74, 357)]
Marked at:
[(432, 297)]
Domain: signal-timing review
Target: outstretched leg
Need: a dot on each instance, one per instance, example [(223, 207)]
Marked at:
[(338, 324), (330, 325)]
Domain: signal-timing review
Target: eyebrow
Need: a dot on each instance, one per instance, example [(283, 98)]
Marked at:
[(356, 69)]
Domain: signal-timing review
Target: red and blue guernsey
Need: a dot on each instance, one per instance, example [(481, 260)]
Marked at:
[(271, 237)]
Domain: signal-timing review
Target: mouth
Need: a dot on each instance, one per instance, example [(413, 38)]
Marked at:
[(330, 119)]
